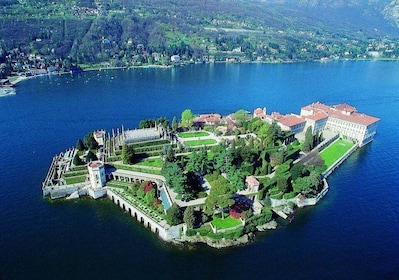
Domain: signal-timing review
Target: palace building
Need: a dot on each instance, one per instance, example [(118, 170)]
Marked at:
[(342, 119)]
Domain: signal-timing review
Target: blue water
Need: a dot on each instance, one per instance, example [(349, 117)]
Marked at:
[(352, 234)]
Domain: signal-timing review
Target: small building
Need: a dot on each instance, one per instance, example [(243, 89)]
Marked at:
[(209, 119), (99, 136), (175, 58), (97, 179), (252, 184), (96, 174)]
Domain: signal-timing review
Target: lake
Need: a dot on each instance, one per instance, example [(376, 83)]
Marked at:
[(352, 234)]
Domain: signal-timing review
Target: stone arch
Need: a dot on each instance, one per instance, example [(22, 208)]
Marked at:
[(130, 211)]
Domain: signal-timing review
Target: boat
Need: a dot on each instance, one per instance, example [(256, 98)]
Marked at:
[(7, 90)]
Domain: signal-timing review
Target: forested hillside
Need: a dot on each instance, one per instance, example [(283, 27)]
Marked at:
[(39, 34)]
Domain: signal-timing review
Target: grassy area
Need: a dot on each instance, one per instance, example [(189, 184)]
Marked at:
[(152, 162), (336, 150), (227, 222), (136, 168), (193, 134), (75, 180), (200, 142)]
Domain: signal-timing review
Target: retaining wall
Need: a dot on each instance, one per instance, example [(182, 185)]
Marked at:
[(164, 231)]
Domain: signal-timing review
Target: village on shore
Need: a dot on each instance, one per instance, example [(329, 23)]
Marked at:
[(210, 178)]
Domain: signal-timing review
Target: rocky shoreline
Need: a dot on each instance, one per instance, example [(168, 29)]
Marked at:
[(224, 243)]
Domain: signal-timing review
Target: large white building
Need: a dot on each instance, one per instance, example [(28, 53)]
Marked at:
[(343, 119)]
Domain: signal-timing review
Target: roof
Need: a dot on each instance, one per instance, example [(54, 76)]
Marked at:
[(342, 111), (317, 116), (252, 180), (291, 120), (95, 164), (209, 118)]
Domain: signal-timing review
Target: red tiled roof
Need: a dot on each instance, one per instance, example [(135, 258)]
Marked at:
[(317, 116), (291, 120), (252, 180), (341, 111), (345, 107)]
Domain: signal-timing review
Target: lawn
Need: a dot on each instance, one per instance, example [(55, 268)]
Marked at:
[(75, 180), (336, 150), (227, 222), (200, 142), (151, 162), (193, 134)]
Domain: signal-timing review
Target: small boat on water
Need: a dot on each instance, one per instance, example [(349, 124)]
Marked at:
[(7, 90)]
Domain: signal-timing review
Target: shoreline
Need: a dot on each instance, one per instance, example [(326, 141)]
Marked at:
[(15, 79)]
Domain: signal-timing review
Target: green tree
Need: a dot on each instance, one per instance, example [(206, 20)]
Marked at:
[(198, 162), (77, 160), (150, 197), (174, 124), (80, 145), (174, 177), (308, 144), (91, 156), (128, 154), (241, 116), (297, 170), (219, 196), (222, 157), (89, 141), (173, 215), (189, 217), (187, 118)]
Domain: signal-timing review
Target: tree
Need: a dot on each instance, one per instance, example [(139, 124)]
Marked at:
[(173, 215), (219, 196), (222, 158), (174, 124), (241, 116), (308, 144), (91, 156), (89, 141), (77, 160), (80, 146), (128, 154), (150, 197), (187, 118), (198, 162), (174, 177), (189, 217)]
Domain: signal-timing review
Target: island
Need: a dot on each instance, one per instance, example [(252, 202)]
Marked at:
[(210, 178)]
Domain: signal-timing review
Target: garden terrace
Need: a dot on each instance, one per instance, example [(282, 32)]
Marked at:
[(153, 214), (193, 134), (136, 168), (200, 142)]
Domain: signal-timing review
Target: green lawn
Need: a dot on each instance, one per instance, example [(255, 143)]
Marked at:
[(336, 150), (200, 142), (75, 180), (227, 222), (152, 162), (193, 134)]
